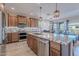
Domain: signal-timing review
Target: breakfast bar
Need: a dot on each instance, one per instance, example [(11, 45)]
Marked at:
[(57, 44)]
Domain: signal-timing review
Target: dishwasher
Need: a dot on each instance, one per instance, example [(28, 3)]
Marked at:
[(43, 47)]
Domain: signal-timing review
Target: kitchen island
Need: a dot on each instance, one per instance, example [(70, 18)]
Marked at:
[(46, 44), (38, 43)]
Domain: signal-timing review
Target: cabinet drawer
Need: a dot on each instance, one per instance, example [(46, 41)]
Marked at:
[(55, 52), (55, 45)]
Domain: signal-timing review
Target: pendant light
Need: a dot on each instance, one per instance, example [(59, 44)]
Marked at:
[(56, 12), (40, 13)]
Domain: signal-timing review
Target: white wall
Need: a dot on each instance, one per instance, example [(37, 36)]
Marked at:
[(0, 27)]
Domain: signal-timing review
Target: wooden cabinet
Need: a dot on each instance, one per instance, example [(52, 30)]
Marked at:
[(55, 52), (35, 47), (15, 20), (21, 19), (32, 43), (32, 22), (12, 20), (55, 49), (29, 41), (15, 37), (9, 38), (28, 22), (12, 37)]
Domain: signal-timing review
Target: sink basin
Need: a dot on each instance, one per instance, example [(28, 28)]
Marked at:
[(38, 33)]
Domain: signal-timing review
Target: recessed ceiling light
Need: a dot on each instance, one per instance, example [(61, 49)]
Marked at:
[(12, 8), (31, 13)]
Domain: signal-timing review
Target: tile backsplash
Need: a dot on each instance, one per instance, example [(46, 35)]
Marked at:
[(25, 29)]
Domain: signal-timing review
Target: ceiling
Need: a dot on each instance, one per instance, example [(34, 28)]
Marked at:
[(33, 9)]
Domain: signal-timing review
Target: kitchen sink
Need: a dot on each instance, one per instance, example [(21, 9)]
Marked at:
[(38, 33)]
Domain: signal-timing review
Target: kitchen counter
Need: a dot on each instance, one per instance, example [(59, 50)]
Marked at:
[(59, 44), (25, 29), (38, 45), (64, 42), (62, 39), (59, 38)]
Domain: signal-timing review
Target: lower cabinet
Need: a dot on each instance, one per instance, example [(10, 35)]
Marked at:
[(42, 47), (9, 37), (39, 46), (55, 52), (32, 43), (15, 37), (12, 37), (35, 47), (54, 49)]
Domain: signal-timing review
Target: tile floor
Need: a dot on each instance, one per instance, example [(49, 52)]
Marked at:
[(22, 49), (18, 49)]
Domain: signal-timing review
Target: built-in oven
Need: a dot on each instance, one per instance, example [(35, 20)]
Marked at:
[(22, 32), (22, 35)]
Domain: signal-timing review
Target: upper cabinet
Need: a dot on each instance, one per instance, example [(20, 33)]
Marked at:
[(16, 20), (28, 22), (21, 19), (31, 22), (12, 20)]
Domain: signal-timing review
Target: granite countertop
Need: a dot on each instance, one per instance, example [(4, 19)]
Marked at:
[(62, 39), (25, 29)]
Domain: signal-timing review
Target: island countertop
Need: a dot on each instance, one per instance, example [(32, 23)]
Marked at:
[(59, 38)]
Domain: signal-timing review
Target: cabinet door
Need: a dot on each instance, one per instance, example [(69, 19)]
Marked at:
[(9, 37), (30, 41), (55, 52), (55, 45), (12, 21), (35, 47), (33, 23), (28, 22), (54, 49), (15, 37), (12, 37), (21, 19)]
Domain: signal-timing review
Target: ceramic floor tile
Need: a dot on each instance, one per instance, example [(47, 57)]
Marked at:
[(18, 49)]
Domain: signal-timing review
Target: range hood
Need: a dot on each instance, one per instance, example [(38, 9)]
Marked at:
[(21, 25)]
